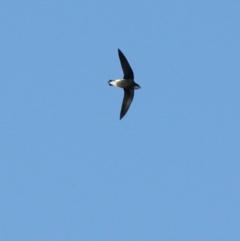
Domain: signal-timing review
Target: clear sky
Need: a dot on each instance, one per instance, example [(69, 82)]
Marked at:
[(71, 170)]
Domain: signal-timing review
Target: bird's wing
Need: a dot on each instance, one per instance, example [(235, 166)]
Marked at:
[(127, 70), (127, 100)]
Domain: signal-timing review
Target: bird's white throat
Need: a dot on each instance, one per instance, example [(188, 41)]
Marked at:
[(114, 82)]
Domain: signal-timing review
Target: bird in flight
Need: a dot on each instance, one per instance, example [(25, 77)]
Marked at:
[(127, 83)]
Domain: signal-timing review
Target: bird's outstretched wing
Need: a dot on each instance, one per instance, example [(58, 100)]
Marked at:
[(127, 100), (127, 70)]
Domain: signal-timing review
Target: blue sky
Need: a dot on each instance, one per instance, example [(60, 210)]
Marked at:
[(71, 170)]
